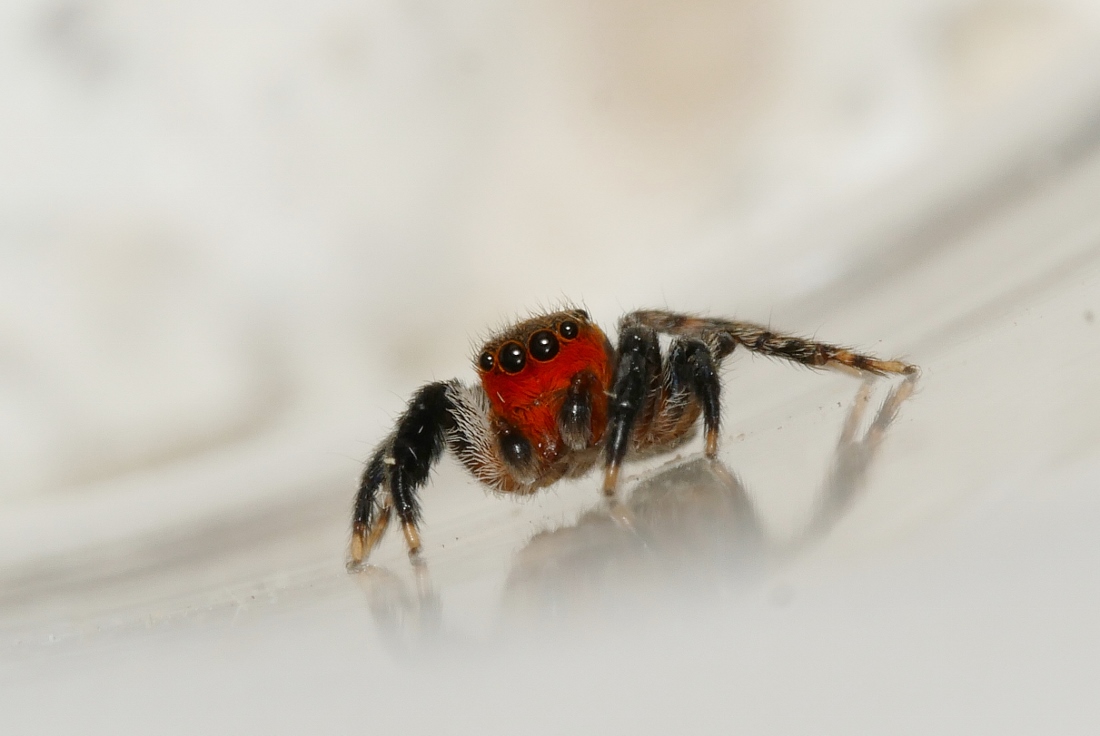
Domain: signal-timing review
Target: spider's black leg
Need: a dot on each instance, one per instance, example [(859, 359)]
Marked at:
[(692, 367), (637, 377), (369, 520), (400, 466)]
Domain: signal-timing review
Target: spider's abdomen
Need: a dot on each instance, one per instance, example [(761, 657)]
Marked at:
[(527, 375)]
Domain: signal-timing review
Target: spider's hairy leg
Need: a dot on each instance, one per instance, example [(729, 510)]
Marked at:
[(812, 353), (637, 378), (693, 366), (690, 386), (399, 467), (367, 517), (727, 334)]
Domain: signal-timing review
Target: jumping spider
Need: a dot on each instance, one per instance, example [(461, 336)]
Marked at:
[(555, 396)]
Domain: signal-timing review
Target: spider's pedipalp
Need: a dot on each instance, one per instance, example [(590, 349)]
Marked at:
[(575, 415), (517, 453)]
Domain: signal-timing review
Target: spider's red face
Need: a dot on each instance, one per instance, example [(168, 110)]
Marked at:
[(527, 371)]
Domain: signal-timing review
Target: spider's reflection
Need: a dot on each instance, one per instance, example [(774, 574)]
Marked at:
[(691, 525)]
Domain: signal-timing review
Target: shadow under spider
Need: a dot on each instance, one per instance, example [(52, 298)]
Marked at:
[(688, 527)]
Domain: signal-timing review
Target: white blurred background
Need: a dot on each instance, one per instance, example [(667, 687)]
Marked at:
[(234, 236)]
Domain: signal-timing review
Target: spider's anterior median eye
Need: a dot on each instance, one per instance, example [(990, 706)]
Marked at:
[(568, 329), (512, 357), (543, 345), (486, 361)]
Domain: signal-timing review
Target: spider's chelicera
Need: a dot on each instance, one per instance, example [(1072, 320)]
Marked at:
[(556, 398)]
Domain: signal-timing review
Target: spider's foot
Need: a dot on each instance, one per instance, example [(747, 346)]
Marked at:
[(358, 547), (897, 366), (611, 480), (711, 447), (864, 363), (412, 539)]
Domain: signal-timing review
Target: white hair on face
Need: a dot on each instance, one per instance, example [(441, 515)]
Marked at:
[(472, 440)]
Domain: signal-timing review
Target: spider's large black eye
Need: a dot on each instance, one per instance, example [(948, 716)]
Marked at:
[(568, 329), (543, 345), (486, 361), (512, 357)]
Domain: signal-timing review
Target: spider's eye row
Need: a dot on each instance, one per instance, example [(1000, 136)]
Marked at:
[(543, 345), (568, 329), (486, 361), (512, 357)]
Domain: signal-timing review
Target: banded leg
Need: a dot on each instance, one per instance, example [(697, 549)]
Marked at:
[(725, 335), (398, 469)]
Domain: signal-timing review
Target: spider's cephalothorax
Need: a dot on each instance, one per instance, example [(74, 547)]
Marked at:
[(555, 396)]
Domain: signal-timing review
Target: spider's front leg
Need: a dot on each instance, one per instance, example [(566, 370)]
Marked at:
[(637, 377), (398, 468)]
